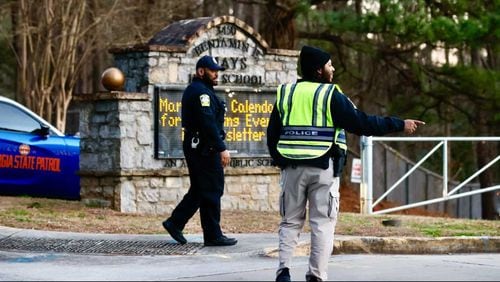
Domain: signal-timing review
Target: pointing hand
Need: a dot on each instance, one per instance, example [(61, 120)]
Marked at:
[(411, 125)]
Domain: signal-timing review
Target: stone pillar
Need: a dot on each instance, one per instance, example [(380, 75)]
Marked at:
[(113, 126)]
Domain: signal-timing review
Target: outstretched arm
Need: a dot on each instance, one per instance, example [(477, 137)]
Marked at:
[(347, 116)]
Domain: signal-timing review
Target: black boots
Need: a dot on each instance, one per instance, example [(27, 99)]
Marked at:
[(284, 275), (312, 278)]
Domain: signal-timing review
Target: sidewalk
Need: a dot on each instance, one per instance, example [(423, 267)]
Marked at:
[(262, 244)]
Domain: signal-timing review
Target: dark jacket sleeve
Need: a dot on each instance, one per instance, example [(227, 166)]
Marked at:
[(208, 121), (273, 135), (346, 116)]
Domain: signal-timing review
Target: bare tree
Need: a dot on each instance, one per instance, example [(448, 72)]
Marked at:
[(52, 43)]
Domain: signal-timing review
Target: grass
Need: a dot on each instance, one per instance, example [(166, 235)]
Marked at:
[(432, 232), (74, 216)]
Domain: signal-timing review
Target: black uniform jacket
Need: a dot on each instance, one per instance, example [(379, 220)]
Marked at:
[(345, 116), (203, 115)]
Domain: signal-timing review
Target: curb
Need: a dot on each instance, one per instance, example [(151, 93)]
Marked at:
[(407, 245), (417, 245)]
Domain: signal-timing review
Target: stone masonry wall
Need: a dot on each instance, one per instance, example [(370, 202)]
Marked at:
[(118, 168), (175, 68)]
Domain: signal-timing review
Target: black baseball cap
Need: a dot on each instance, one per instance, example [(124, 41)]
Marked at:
[(210, 63)]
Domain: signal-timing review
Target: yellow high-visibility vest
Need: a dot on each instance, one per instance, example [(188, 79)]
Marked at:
[(308, 130)]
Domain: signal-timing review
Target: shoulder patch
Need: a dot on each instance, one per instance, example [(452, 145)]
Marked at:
[(205, 100)]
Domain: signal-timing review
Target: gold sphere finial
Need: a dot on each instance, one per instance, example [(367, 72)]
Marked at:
[(113, 79)]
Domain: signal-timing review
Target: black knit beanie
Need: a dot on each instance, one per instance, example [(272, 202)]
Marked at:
[(312, 59)]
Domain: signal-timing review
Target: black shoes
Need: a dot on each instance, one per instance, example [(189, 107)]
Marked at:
[(174, 232), (221, 241), (284, 275), (312, 278)]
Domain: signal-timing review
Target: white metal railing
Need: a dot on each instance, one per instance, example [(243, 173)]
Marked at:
[(366, 188)]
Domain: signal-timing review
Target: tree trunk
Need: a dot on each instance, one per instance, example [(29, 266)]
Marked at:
[(14, 15), (483, 154), (278, 27)]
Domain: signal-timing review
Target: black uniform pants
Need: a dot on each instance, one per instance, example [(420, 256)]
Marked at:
[(207, 186)]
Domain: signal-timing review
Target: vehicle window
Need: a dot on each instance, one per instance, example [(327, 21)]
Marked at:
[(12, 118)]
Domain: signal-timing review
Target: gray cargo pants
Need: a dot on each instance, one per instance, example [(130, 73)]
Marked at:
[(317, 186)]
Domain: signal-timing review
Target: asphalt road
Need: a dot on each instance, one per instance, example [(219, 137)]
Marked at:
[(240, 267)]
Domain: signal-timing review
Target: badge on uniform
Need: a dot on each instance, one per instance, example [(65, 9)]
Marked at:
[(205, 100)]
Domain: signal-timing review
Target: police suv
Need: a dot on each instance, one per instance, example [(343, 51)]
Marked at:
[(36, 159)]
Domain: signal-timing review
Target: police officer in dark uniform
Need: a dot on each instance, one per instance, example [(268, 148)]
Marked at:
[(206, 156)]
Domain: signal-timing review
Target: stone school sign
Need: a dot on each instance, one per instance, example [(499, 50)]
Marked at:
[(247, 85), (131, 152)]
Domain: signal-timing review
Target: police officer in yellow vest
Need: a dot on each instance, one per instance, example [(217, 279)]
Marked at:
[(306, 138)]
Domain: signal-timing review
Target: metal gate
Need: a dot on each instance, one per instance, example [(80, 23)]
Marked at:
[(367, 203)]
